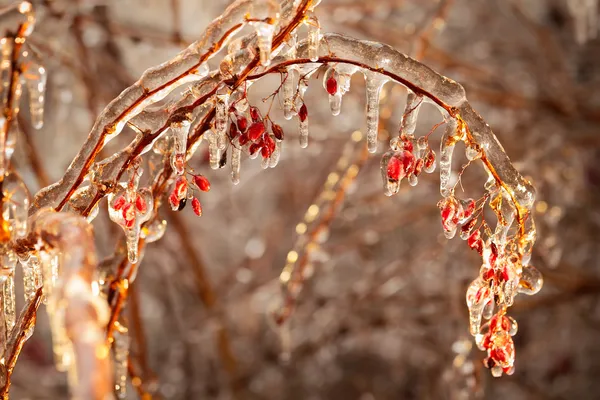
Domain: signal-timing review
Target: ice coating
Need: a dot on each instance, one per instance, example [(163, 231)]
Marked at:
[(411, 113), (35, 77), (32, 275), (154, 84), (314, 37), (179, 133)]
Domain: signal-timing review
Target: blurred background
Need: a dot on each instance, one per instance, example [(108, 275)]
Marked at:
[(383, 314)]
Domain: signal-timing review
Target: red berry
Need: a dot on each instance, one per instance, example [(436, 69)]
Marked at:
[(202, 183), (254, 114), (429, 159), (242, 123), (197, 207), (493, 254), (181, 186), (269, 143), (419, 166), (254, 148), (233, 131), (469, 209), (265, 152), (119, 202), (243, 139), (256, 130), (129, 214), (474, 241), (408, 162), (174, 200), (140, 204), (277, 131), (331, 85), (408, 145), (303, 113), (393, 169)]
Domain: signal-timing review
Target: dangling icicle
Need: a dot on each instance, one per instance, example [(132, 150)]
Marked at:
[(236, 160), (35, 79), (7, 279), (15, 203), (130, 208), (288, 86), (314, 36), (408, 124), (214, 152), (221, 120), (32, 275), (179, 131), (264, 33), (122, 342), (449, 139), (374, 84), (303, 120)]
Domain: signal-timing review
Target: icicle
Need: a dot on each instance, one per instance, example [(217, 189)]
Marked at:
[(408, 124), (154, 231), (7, 276), (130, 208), (35, 79), (15, 203), (221, 120), (214, 153), (447, 147), (32, 276), (314, 36), (264, 32), (122, 342), (303, 120), (288, 90), (61, 345), (374, 82), (179, 131), (236, 159)]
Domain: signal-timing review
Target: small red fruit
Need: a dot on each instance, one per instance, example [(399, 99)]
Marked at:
[(243, 139), (254, 147), (256, 130), (331, 85), (254, 114), (303, 113), (277, 131), (119, 202), (202, 182), (197, 207), (140, 204), (393, 169), (242, 123)]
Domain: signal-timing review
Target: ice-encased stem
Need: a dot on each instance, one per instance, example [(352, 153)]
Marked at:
[(374, 84), (8, 302), (446, 150), (179, 131)]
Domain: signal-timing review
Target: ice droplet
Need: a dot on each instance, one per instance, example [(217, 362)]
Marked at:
[(288, 89), (221, 120), (236, 160), (531, 280)]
